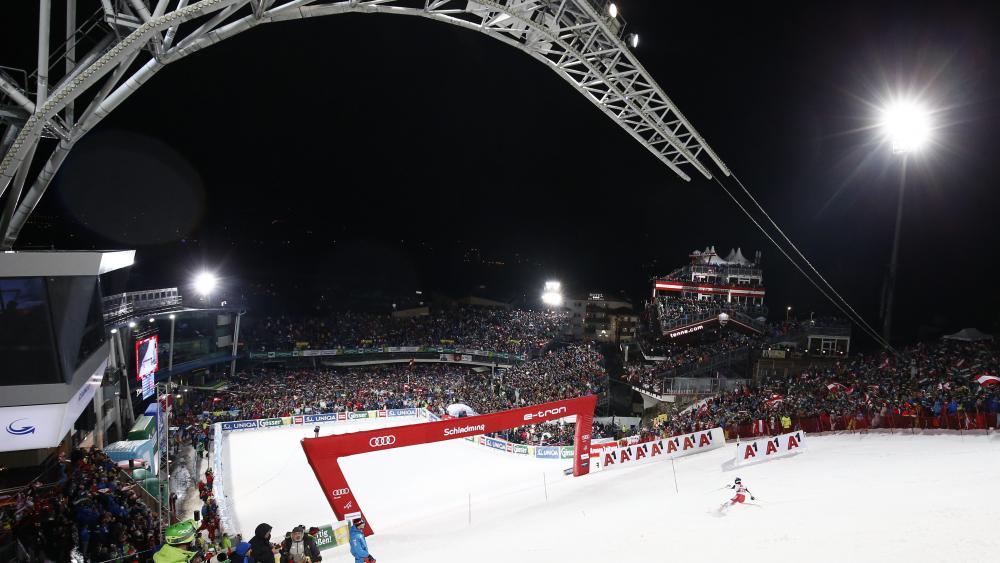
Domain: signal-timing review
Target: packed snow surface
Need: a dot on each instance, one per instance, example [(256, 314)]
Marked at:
[(860, 497)]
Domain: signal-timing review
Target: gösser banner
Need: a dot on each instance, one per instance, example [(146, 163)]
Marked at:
[(769, 448), (323, 453), (611, 454)]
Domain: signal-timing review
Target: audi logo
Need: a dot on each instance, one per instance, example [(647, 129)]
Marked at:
[(341, 492), (380, 441)]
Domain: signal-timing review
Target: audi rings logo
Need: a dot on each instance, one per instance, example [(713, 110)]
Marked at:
[(341, 492), (379, 441)]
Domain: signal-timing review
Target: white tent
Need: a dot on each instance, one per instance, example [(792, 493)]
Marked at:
[(740, 259), (968, 335), (458, 409)]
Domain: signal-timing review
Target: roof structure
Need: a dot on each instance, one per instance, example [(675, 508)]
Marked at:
[(968, 335)]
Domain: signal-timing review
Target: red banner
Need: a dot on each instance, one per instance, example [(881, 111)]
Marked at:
[(323, 453), (854, 423)]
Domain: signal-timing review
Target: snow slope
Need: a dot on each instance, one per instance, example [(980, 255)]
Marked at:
[(849, 497)]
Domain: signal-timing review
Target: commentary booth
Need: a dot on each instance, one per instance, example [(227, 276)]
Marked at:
[(53, 348)]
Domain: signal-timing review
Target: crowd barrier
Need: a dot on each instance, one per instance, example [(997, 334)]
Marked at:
[(633, 450), (866, 421), (220, 428), (540, 452), (763, 449), (219, 484)]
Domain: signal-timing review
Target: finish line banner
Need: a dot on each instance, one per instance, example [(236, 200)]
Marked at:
[(769, 448), (610, 455)]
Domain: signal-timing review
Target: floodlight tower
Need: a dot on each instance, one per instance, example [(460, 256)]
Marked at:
[(204, 283), (552, 296), (906, 125)]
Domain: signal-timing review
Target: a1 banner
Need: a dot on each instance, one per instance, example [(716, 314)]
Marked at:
[(769, 448), (606, 456)]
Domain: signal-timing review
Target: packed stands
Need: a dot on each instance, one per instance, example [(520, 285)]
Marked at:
[(940, 385), (567, 371), (492, 329), (682, 358), (91, 511)]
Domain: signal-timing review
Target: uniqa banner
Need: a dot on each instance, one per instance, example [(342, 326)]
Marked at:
[(609, 455), (769, 448)]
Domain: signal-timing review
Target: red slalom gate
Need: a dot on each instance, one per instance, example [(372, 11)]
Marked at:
[(324, 453)]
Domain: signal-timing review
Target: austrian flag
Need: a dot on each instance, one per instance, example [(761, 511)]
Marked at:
[(985, 380), (835, 387)]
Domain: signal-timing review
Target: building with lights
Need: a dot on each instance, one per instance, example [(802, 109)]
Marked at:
[(711, 291), (602, 317)]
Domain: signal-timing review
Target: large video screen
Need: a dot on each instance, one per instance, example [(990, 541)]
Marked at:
[(146, 364)]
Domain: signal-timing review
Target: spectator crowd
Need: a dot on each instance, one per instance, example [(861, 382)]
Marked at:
[(562, 372), (92, 511), (682, 358), (676, 311), (480, 328), (930, 385)]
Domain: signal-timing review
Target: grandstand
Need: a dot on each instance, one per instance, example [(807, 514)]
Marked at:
[(81, 368), (164, 364), (711, 291)]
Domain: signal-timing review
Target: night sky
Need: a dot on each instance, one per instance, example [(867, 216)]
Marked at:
[(389, 151)]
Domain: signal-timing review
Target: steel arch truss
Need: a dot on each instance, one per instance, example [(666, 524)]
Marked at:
[(133, 39)]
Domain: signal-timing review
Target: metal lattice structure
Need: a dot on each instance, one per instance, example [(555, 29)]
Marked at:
[(128, 41), (163, 391)]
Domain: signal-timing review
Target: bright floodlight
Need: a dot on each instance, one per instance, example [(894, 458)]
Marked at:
[(633, 40), (907, 126), (613, 10), (204, 283), (553, 294), (552, 299)]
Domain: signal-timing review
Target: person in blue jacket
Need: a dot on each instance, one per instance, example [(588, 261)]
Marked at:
[(359, 546), (239, 554)]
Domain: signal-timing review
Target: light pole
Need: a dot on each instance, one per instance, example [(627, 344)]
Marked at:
[(906, 125), (889, 291), (170, 360)]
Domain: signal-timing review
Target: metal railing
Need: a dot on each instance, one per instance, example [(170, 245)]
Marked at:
[(692, 386), (801, 333), (700, 385), (731, 309), (123, 304)]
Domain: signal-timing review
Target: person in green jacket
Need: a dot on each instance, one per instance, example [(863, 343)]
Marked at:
[(179, 538)]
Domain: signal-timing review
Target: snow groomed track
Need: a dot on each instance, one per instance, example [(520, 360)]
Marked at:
[(859, 497)]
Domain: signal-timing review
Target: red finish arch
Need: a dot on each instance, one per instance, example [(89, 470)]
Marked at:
[(324, 453)]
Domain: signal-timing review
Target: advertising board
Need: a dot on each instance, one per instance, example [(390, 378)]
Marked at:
[(147, 363), (547, 452), (764, 449), (607, 456)]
